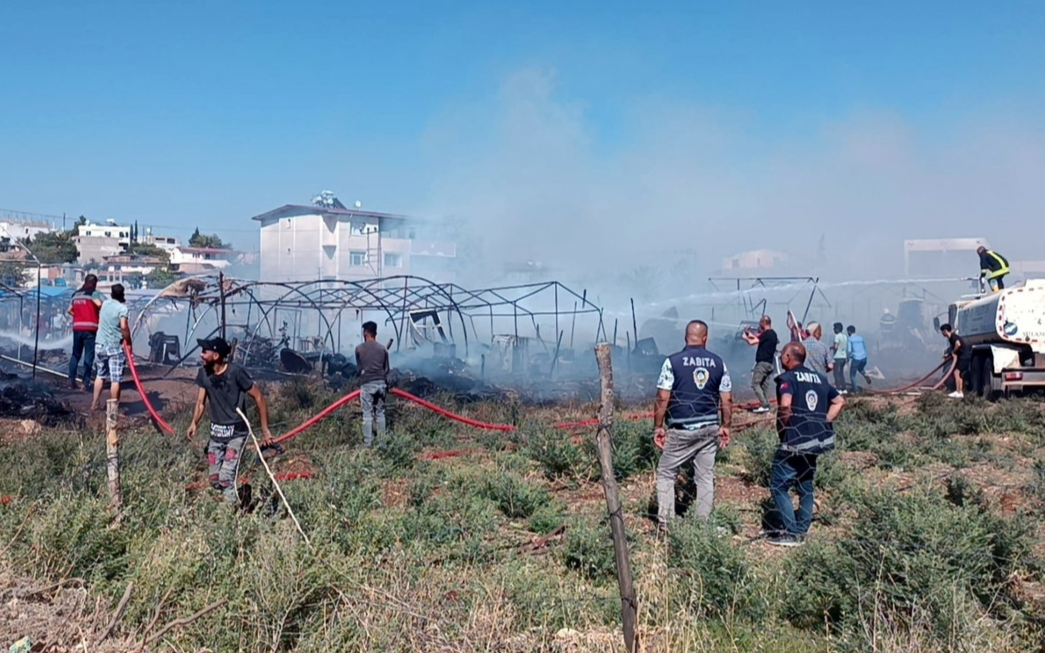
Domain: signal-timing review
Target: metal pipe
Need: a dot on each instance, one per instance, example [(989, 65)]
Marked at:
[(63, 375)]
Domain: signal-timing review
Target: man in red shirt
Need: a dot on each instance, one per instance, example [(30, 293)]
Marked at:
[(84, 308)]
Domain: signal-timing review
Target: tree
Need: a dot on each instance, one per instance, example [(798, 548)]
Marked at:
[(53, 247), (13, 274), (145, 249), (204, 240), (160, 278)]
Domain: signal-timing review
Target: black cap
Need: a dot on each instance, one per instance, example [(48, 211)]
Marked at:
[(216, 345)]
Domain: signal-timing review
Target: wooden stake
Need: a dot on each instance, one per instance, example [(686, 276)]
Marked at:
[(112, 453), (604, 446)]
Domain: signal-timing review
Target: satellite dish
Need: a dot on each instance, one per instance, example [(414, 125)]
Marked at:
[(359, 204)]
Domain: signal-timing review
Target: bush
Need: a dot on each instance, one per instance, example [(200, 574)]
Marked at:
[(760, 445), (588, 549), (715, 575), (514, 496), (908, 553)]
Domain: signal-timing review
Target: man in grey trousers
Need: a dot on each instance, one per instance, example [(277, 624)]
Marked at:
[(766, 341), (372, 361), (694, 388)]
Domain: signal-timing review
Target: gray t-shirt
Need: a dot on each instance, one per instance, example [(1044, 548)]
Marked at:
[(109, 334), (372, 360), (818, 356), (226, 392)]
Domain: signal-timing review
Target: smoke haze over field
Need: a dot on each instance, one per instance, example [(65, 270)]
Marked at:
[(535, 180)]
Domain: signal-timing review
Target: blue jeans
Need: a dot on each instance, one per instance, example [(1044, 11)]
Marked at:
[(83, 345), (855, 367), (798, 470)]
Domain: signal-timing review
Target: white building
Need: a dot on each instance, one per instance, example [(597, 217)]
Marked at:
[(166, 243), (15, 230), (199, 260), (108, 230), (753, 261), (312, 243)]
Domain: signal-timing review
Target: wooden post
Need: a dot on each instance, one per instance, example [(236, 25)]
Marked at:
[(112, 453), (629, 604)]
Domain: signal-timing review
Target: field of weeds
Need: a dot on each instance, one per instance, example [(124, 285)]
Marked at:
[(928, 537)]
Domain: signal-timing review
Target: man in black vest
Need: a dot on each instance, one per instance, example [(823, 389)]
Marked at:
[(693, 389), (807, 406)]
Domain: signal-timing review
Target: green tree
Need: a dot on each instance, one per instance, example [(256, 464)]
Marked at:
[(207, 240), (13, 274), (145, 249), (160, 278), (53, 247)]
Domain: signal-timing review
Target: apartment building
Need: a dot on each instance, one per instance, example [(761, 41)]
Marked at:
[(311, 243)]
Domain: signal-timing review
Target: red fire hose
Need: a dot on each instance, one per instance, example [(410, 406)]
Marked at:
[(141, 391), (318, 417)]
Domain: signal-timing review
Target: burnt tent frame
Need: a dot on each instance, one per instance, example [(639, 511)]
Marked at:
[(396, 297)]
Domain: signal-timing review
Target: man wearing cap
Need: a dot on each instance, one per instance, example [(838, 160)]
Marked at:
[(225, 385)]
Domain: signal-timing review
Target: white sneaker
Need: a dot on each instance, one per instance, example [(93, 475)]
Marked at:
[(956, 395), (760, 410)]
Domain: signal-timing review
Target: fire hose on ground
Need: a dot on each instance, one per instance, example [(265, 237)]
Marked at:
[(326, 412)]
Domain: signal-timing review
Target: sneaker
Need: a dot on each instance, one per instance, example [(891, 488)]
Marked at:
[(784, 540), (956, 395), (760, 410), (843, 391)]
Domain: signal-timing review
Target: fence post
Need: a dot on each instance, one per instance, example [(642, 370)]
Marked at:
[(604, 445), (112, 454)]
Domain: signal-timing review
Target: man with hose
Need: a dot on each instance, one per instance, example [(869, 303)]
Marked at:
[(226, 386), (113, 331), (957, 349)]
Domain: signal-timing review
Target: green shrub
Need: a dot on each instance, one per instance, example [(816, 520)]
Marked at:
[(760, 445), (588, 549), (514, 496), (908, 552), (714, 573)]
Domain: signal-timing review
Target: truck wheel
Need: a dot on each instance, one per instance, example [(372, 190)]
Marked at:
[(986, 377), (976, 375)]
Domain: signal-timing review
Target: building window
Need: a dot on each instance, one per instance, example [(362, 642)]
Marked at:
[(357, 258), (393, 260)]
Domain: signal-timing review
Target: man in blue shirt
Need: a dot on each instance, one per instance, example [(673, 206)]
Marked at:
[(694, 388), (857, 350), (113, 332), (807, 406)]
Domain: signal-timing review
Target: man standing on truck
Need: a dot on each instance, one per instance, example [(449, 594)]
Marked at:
[(993, 268), (765, 361), (963, 355), (372, 361)]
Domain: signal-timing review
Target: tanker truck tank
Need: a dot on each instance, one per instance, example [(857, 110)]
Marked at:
[(1006, 334)]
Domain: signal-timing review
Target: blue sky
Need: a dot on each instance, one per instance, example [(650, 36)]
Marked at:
[(178, 114)]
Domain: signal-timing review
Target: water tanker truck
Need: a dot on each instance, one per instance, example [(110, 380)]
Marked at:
[(1006, 333)]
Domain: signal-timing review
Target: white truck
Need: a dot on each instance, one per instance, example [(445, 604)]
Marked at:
[(1006, 333)]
